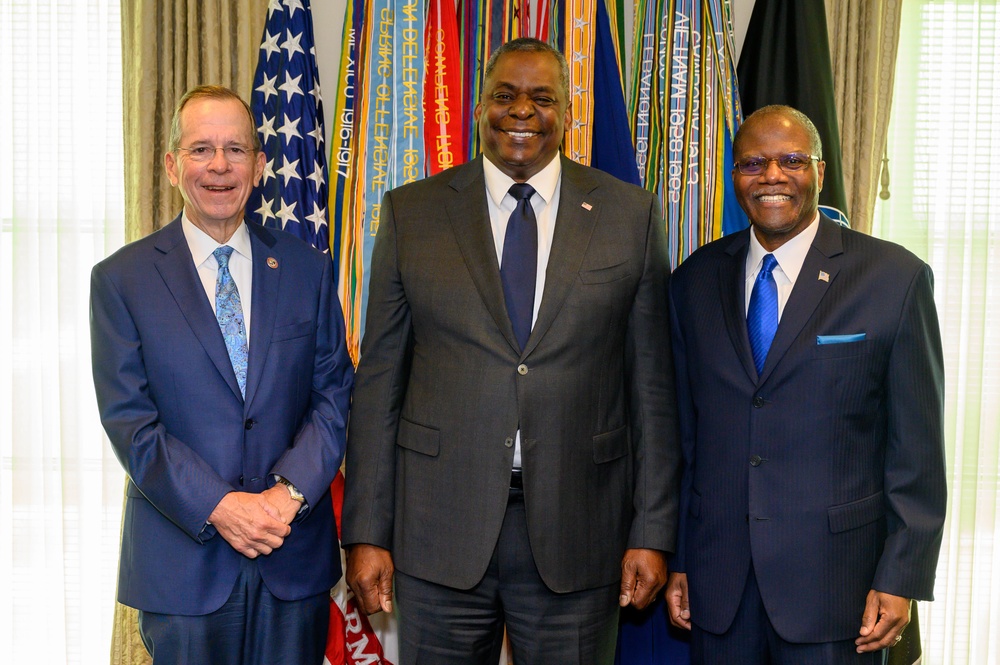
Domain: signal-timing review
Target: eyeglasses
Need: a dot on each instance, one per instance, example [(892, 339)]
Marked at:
[(235, 153), (790, 163)]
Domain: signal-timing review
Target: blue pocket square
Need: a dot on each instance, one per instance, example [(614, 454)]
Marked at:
[(839, 339)]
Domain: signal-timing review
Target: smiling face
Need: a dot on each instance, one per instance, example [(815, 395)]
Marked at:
[(522, 113), (780, 205), (215, 192)]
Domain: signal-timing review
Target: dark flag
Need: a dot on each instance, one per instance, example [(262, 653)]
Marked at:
[(786, 60), (612, 149)]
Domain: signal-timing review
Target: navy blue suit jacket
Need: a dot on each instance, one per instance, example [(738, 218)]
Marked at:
[(173, 411), (827, 471)]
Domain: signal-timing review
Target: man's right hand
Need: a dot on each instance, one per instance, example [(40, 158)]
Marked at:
[(677, 600), (369, 574), (249, 523)]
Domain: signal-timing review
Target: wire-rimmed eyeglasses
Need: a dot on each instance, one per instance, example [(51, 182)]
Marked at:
[(234, 153), (790, 163)]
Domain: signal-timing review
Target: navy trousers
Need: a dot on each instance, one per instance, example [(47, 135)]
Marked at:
[(752, 640), (251, 628)]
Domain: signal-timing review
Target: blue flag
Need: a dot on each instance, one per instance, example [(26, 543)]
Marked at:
[(288, 110), (612, 150)]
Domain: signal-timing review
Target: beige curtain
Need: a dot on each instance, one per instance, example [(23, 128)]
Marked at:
[(168, 47), (864, 35)]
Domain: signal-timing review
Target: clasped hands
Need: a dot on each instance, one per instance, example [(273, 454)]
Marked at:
[(255, 524)]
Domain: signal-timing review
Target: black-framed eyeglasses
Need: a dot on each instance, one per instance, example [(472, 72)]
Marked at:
[(790, 163), (235, 153)]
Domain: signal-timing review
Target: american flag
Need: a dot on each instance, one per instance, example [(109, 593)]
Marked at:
[(288, 110)]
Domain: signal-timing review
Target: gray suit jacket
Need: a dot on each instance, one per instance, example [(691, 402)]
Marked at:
[(442, 388)]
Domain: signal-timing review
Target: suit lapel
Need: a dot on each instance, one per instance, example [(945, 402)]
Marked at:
[(808, 291), (176, 268), (266, 280), (574, 227), (732, 282), (470, 220)]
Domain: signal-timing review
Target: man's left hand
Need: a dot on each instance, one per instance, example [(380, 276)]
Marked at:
[(644, 572), (279, 497), (883, 621)]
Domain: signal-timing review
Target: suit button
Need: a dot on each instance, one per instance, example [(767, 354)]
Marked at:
[(522, 369), (755, 460), (241, 481), (249, 423), (758, 402), (509, 441)]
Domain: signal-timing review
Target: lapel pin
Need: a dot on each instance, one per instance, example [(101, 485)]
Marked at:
[(272, 262), (824, 276), (586, 206)]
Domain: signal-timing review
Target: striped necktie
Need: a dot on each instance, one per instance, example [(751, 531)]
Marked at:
[(762, 315)]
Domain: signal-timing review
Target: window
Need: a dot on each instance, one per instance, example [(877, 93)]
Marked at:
[(944, 144), (61, 210)]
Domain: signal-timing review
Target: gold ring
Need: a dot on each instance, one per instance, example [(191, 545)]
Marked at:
[(898, 638)]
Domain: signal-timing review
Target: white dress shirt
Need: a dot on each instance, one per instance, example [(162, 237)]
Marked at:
[(545, 202), (790, 257), (202, 247)]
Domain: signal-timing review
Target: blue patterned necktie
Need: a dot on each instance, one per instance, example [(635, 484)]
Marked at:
[(520, 262), (762, 315), (229, 312)]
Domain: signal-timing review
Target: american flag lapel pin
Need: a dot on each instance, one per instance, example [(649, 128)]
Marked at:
[(824, 276), (586, 206)]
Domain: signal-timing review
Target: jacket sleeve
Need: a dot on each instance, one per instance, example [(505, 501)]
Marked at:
[(652, 402), (915, 480), (369, 491), (318, 448), (172, 476)]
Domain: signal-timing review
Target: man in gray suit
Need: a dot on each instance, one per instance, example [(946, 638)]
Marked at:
[(513, 453)]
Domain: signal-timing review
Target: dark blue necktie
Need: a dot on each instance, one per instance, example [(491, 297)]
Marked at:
[(762, 315), (520, 262)]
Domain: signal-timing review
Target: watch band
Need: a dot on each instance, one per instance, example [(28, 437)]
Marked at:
[(292, 490)]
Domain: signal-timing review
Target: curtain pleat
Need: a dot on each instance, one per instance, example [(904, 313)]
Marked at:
[(864, 35), (170, 46)]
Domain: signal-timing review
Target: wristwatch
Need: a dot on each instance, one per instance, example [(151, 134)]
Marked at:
[(292, 490)]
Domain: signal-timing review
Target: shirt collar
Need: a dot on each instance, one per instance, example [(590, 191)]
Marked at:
[(790, 256), (203, 245), (544, 182)]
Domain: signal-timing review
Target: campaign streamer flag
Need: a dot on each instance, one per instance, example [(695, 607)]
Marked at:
[(578, 37), (684, 115), (483, 30), (786, 60), (348, 245), (288, 108), (444, 134)]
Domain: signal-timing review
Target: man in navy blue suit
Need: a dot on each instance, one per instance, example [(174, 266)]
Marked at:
[(810, 388), (223, 382)]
